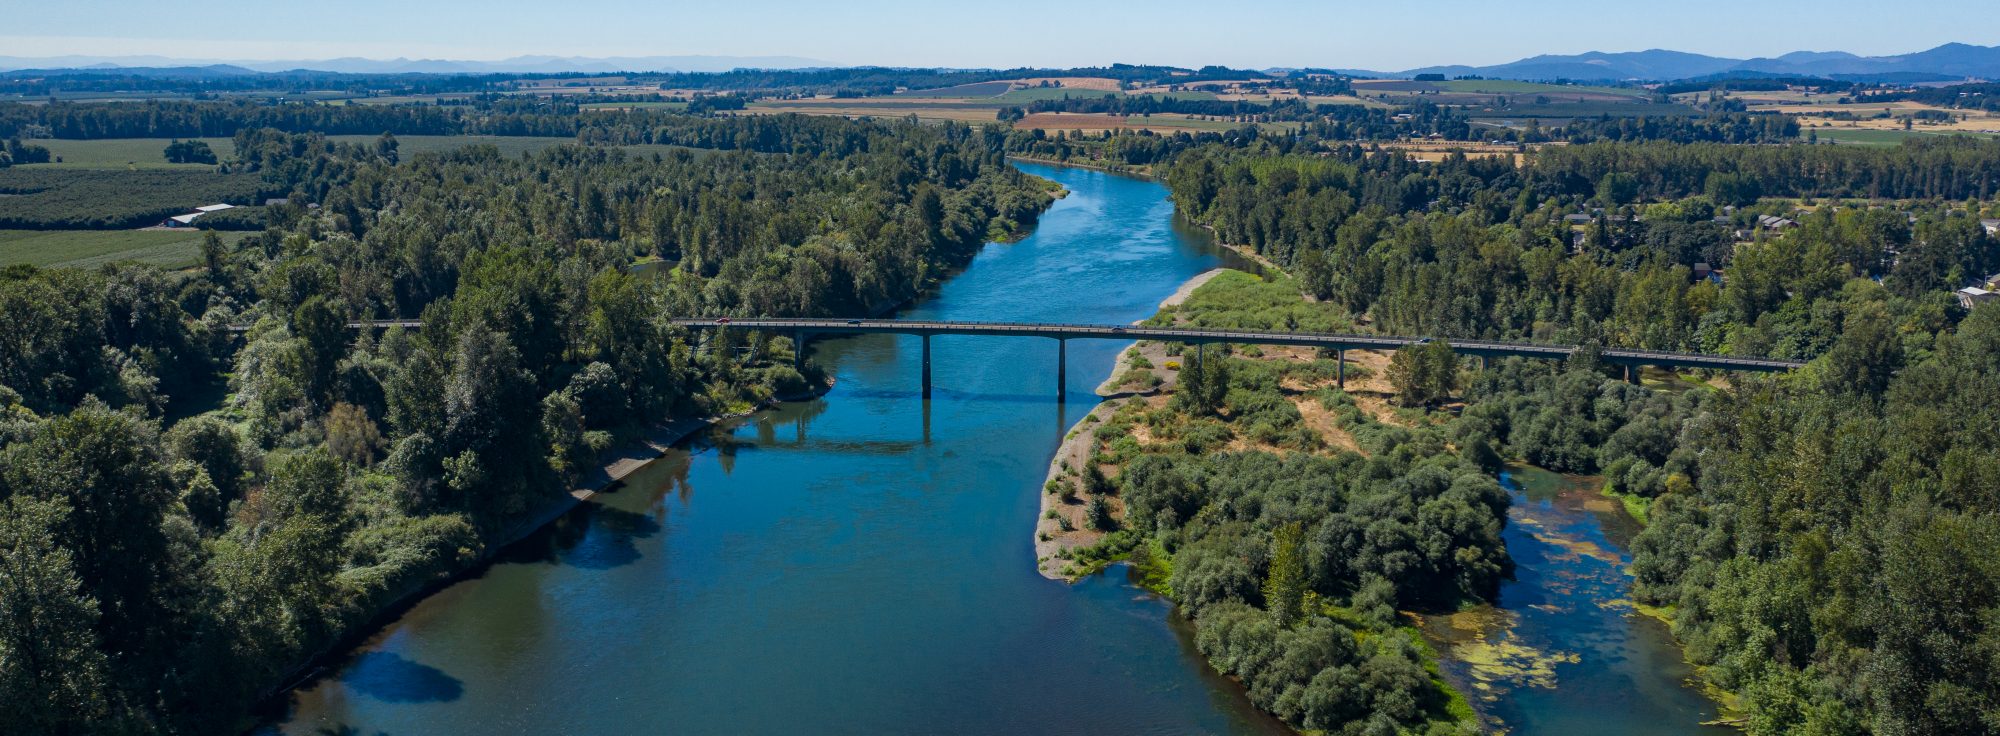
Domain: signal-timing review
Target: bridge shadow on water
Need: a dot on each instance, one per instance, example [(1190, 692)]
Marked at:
[(388, 677)]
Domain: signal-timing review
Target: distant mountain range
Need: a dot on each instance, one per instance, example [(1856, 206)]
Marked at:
[(1948, 62), (1952, 61), (356, 65)]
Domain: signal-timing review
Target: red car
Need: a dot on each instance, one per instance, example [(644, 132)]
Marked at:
[(722, 320)]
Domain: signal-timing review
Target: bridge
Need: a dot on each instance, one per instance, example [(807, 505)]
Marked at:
[(1631, 360)]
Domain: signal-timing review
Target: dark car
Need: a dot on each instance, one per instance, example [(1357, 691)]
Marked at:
[(722, 320), (854, 321)]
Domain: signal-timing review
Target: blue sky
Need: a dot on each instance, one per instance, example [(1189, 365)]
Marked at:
[(1377, 35)]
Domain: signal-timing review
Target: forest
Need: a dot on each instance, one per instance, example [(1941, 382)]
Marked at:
[(1823, 541), (210, 480), (170, 561)]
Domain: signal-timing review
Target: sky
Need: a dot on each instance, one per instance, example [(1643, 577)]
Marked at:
[(1381, 35)]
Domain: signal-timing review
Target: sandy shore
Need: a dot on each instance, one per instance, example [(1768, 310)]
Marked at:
[(1078, 445)]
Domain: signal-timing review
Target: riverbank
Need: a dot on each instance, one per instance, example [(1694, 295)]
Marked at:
[(1060, 522), (702, 586), (613, 468), (1120, 169)]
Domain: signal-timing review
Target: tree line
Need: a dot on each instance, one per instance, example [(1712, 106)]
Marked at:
[(170, 561)]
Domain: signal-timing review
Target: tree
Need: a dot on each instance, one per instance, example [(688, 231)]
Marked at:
[(1285, 583), (1617, 189), (53, 677), (1423, 373), (189, 152), (106, 468), (1098, 515), (352, 436)]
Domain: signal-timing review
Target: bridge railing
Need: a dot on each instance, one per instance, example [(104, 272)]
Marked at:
[(1079, 330)]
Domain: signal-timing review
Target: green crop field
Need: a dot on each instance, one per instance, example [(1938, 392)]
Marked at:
[(979, 89), (91, 248), (88, 199), (1868, 137), (123, 153)]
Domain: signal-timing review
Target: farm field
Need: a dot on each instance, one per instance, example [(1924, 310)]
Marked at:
[(1511, 87), (1881, 137), (1161, 123), (91, 199), (977, 89), (92, 248), (150, 153), (638, 105), (933, 110), (123, 153)]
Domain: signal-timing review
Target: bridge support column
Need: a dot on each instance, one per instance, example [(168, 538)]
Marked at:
[(1340, 359), (927, 367), (799, 351), (1482, 364), (1062, 369), (1632, 374)]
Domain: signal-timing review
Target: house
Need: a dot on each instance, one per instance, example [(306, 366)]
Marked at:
[(1774, 222), (1578, 218), (1973, 296), (1992, 226), (187, 220)]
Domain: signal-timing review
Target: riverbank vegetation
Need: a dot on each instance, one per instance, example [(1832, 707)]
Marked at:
[(172, 557), (1824, 538), (1290, 548)]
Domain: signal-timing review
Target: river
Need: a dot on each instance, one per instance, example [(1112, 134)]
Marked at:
[(860, 564), (1562, 651)]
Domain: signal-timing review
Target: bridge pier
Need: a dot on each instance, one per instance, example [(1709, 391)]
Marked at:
[(927, 367), (1340, 359), (1632, 374), (1062, 369), (799, 351)]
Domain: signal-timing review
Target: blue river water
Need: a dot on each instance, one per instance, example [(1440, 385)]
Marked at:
[(860, 564), (863, 564)]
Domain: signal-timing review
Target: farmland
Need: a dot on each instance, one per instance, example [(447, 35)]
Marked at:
[(1880, 136), (91, 248), (43, 198), (1161, 123), (124, 153), (150, 153)]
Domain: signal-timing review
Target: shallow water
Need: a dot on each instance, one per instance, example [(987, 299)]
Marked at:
[(1563, 651), (861, 564)]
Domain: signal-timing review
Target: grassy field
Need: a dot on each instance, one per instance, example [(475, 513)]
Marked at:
[(123, 153), (91, 248)]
